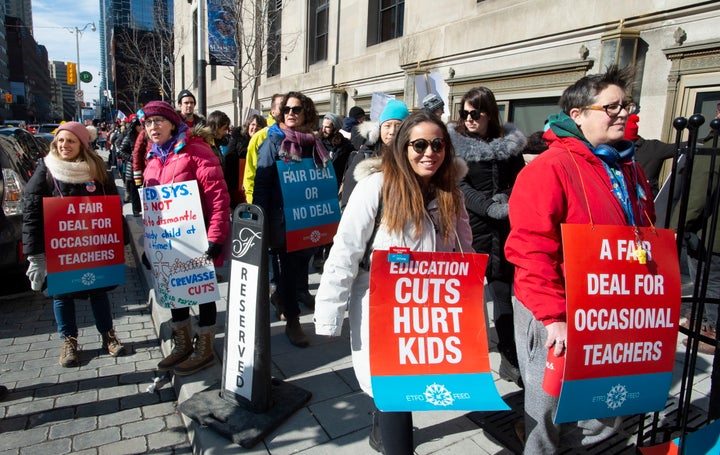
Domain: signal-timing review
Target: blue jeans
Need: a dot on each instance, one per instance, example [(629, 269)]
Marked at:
[(64, 308)]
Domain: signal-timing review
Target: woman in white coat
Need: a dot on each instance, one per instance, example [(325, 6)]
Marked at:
[(407, 198)]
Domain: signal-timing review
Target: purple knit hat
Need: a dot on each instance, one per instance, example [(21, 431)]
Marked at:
[(78, 129), (162, 109)]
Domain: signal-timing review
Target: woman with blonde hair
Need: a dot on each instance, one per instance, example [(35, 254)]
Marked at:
[(71, 168), (406, 198)]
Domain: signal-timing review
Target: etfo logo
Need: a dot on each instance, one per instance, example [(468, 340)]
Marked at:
[(438, 395)]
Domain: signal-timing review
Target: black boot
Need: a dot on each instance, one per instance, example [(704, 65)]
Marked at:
[(375, 440)]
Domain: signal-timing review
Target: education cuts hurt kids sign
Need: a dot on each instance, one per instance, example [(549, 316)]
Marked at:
[(310, 203), (623, 308), (175, 245), (428, 341), (83, 243)]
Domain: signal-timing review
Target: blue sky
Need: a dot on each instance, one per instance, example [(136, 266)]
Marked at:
[(51, 21)]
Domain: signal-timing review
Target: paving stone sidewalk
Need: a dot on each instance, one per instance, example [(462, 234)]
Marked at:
[(100, 407)]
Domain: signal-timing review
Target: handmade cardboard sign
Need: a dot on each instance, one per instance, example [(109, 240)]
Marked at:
[(175, 244), (428, 339), (83, 243), (623, 308), (310, 203)]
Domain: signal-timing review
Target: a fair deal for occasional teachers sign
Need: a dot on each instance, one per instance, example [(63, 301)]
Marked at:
[(310, 203), (175, 245), (623, 308), (83, 243), (428, 342)]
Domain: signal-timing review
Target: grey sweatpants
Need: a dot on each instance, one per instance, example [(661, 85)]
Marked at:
[(542, 435)]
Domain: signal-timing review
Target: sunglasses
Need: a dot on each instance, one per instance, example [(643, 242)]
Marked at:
[(437, 145), (475, 114), (295, 110)]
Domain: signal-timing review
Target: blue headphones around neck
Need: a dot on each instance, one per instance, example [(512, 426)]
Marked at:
[(611, 155)]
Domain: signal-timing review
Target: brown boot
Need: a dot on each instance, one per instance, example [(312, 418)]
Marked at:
[(69, 353), (112, 344), (182, 348), (203, 356), (295, 333)]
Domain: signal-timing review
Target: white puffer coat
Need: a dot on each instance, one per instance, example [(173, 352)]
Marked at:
[(344, 284)]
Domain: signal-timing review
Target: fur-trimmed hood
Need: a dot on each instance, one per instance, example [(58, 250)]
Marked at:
[(370, 131), (500, 149), (371, 165)]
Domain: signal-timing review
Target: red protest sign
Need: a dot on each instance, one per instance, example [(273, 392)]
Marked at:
[(623, 308), (83, 242)]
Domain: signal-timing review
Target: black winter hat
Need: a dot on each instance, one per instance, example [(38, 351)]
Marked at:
[(185, 93), (356, 112)]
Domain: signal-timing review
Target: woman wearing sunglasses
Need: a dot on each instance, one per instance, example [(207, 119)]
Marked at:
[(493, 153), (408, 197), (291, 139)]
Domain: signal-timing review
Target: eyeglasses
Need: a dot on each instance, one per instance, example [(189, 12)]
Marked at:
[(159, 121), (437, 145), (295, 110), (475, 114), (613, 110)]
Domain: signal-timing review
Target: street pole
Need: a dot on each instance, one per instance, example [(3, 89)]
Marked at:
[(78, 31), (77, 76)]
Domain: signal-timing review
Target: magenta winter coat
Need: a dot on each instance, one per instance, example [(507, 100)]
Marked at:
[(196, 161)]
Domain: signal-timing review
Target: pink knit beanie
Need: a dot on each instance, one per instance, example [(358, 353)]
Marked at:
[(78, 129)]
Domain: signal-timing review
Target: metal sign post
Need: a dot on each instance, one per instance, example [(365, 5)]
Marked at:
[(249, 404)]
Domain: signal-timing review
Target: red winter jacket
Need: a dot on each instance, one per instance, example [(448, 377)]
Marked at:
[(549, 191), (196, 161)]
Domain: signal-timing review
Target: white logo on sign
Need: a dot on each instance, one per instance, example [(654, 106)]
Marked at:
[(246, 239), (88, 279), (616, 396), (438, 395)]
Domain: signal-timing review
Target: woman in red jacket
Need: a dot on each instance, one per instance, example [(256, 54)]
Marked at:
[(587, 171), (180, 155)]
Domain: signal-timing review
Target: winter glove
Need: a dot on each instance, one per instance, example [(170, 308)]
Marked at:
[(214, 250), (37, 271), (145, 261), (137, 176), (498, 211), (501, 198)]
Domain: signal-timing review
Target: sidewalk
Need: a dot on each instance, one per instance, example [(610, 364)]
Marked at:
[(337, 421)]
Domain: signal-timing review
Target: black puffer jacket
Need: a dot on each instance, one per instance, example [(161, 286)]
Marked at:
[(492, 169), (42, 185)]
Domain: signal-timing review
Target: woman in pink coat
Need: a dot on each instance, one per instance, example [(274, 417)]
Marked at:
[(177, 155)]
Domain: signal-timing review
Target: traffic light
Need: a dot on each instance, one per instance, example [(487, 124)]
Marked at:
[(71, 73), (160, 91), (8, 98)]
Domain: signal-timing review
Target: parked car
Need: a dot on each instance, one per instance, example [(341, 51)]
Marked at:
[(32, 128), (45, 138), (48, 128), (14, 124), (16, 168), (34, 148)]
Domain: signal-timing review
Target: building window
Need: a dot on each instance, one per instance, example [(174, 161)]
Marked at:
[(385, 20), (318, 30), (274, 34)]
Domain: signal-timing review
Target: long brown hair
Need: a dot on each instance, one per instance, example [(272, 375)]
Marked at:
[(96, 164), (404, 199)]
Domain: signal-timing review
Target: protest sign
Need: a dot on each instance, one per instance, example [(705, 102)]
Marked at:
[(623, 309), (310, 203), (428, 339), (175, 244), (84, 246)]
